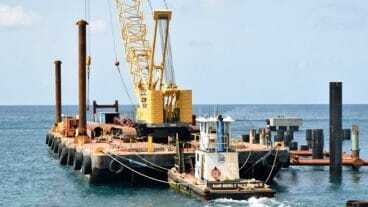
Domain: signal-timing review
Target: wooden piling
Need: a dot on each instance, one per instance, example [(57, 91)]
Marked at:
[(335, 128)]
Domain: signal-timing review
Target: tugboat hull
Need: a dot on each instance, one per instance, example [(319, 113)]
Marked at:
[(240, 190)]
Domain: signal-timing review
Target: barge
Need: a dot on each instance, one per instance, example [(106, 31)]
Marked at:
[(141, 151), (109, 144)]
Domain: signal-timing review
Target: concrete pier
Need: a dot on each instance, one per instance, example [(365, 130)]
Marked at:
[(57, 91), (82, 51), (335, 128)]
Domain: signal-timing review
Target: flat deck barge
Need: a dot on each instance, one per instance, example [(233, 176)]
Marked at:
[(94, 159), (240, 190)]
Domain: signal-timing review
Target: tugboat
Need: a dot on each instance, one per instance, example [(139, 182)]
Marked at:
[(216, 172)]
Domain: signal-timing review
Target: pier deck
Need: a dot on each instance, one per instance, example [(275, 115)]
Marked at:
[(302, 158)]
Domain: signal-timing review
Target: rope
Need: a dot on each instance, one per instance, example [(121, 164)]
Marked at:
[(141, 174), (260, 159), (273, 166), (151, 163), (136, 162), (250, 152)]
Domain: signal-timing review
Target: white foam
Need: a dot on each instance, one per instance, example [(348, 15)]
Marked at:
[(251, 202)]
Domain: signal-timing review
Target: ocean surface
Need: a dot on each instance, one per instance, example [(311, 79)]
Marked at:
[(30, 176)]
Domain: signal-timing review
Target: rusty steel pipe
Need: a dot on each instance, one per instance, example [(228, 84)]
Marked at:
[(326, 162), (57, 91), (82, 56), (335, 128)]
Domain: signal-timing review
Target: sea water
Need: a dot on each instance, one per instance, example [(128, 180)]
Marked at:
[(31, 176)]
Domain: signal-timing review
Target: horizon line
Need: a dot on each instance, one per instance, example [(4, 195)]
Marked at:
[(239, 104)]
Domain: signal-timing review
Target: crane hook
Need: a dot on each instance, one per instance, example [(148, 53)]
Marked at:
[(117, 63)]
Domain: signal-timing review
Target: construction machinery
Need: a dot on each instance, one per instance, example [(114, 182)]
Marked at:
[(163, 108)]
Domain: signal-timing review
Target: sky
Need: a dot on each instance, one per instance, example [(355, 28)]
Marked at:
[(226, 51)]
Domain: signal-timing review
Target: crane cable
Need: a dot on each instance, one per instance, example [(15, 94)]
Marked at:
[(166, 4), (87, 17), (150, 5), (169, 72), (117, 63)]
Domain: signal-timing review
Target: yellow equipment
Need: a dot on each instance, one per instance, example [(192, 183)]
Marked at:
[(160, 101)]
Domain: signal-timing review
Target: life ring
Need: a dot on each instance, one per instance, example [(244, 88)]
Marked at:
[(216, 173), (86, 165), (115, 167), (78, 159), (63, 156), (70, 158)]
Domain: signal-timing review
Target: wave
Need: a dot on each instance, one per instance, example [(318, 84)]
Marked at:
[(251, 202)]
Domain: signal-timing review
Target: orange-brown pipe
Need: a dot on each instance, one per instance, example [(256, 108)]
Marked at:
[(326, 162), (57, 91), (82, 51)]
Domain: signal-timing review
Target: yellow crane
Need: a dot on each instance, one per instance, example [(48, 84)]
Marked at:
[(161, 103)]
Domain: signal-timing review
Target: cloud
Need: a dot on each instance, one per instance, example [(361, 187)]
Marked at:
[(339, 16), (15, 16), (97, 26)]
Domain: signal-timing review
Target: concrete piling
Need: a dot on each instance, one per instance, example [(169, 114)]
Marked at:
[(288, 137), (82, 55), (335, 128), (280, 135), (262, 137), (252, 136), (57, 91), (355, 142)]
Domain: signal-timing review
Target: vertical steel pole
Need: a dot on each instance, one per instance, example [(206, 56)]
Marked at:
[(116, 105), (57, 91), (82, 51), (335, 128)]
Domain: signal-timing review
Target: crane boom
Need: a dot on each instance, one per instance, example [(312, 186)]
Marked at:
[(159, 102), (137, 49)]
